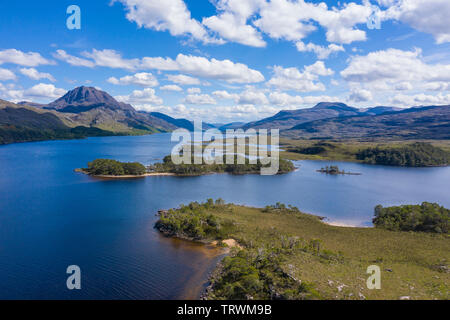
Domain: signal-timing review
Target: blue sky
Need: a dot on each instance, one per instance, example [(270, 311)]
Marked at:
[(229, 60)]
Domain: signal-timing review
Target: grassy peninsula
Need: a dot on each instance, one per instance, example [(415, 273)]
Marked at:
[(401, 153), (287, 254)]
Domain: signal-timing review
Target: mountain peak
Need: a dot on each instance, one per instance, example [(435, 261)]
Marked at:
[(86, 98)]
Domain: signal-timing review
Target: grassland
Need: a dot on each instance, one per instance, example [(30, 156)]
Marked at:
[(329, 261), (344, 150)]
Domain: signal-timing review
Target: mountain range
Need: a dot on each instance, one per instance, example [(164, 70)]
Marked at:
[(87, 111)]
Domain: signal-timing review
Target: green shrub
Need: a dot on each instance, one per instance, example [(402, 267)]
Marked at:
[(427, 217), (414, 155)]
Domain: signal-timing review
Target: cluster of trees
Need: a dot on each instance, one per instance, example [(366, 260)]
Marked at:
[(281, 208), (193, 221), (257, 274), (115, 168), (427, 217), (418, 154), (331, 170), (315, 149), (197, 169)]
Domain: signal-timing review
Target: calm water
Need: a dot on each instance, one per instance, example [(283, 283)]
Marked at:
[(51, 217)]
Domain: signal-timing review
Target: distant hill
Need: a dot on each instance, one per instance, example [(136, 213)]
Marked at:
[(31, 104), (232, 125), (22, 123), (89, 110), (415, 123), (84, 99), (288, 118), (179, 123), (380, 110)]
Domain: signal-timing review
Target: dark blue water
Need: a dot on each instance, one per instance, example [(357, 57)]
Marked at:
[(52, 217)]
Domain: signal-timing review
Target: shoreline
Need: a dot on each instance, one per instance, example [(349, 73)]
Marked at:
[(153, 174)]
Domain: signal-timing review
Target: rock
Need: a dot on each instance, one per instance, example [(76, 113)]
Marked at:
[(405, 298)]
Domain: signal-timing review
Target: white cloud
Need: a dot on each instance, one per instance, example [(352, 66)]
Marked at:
[(140, 97), (294, 20), (223, 94), (27, 59), (285, 100), (252, 96), (231, 23), (403, 86), (421, 100), (395, 69), (183, 79), (429, 16), (226, 70), (293, 79), (142, 79), (159, 63), (171, 87), (112, 59), (43, 90), (321, 52), (72, 60), (32, 73), (199, 99), (194, 90), (437, 86), (361, 95), (168, 15), (6, 74), (218, 69)]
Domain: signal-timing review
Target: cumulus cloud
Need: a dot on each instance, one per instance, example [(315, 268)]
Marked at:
[(169, 15), (321, 52), (183, 79), (142, 79), (231, 23), (252, 96), (6, 74), (226, 70), (218, 69), (429, 16), (360, 95), (194, 90), (32, 73), (285, 100), (420, 100), (171, 87), (223, 94), (199, 99), (26, 59), (72, 60), (111, 59), (41, 92), (244, 21), (140, 97), (393, 68), (293, 79)]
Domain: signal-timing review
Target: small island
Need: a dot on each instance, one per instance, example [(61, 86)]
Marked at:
[(107, 168), (279, 252), (334, 170)]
